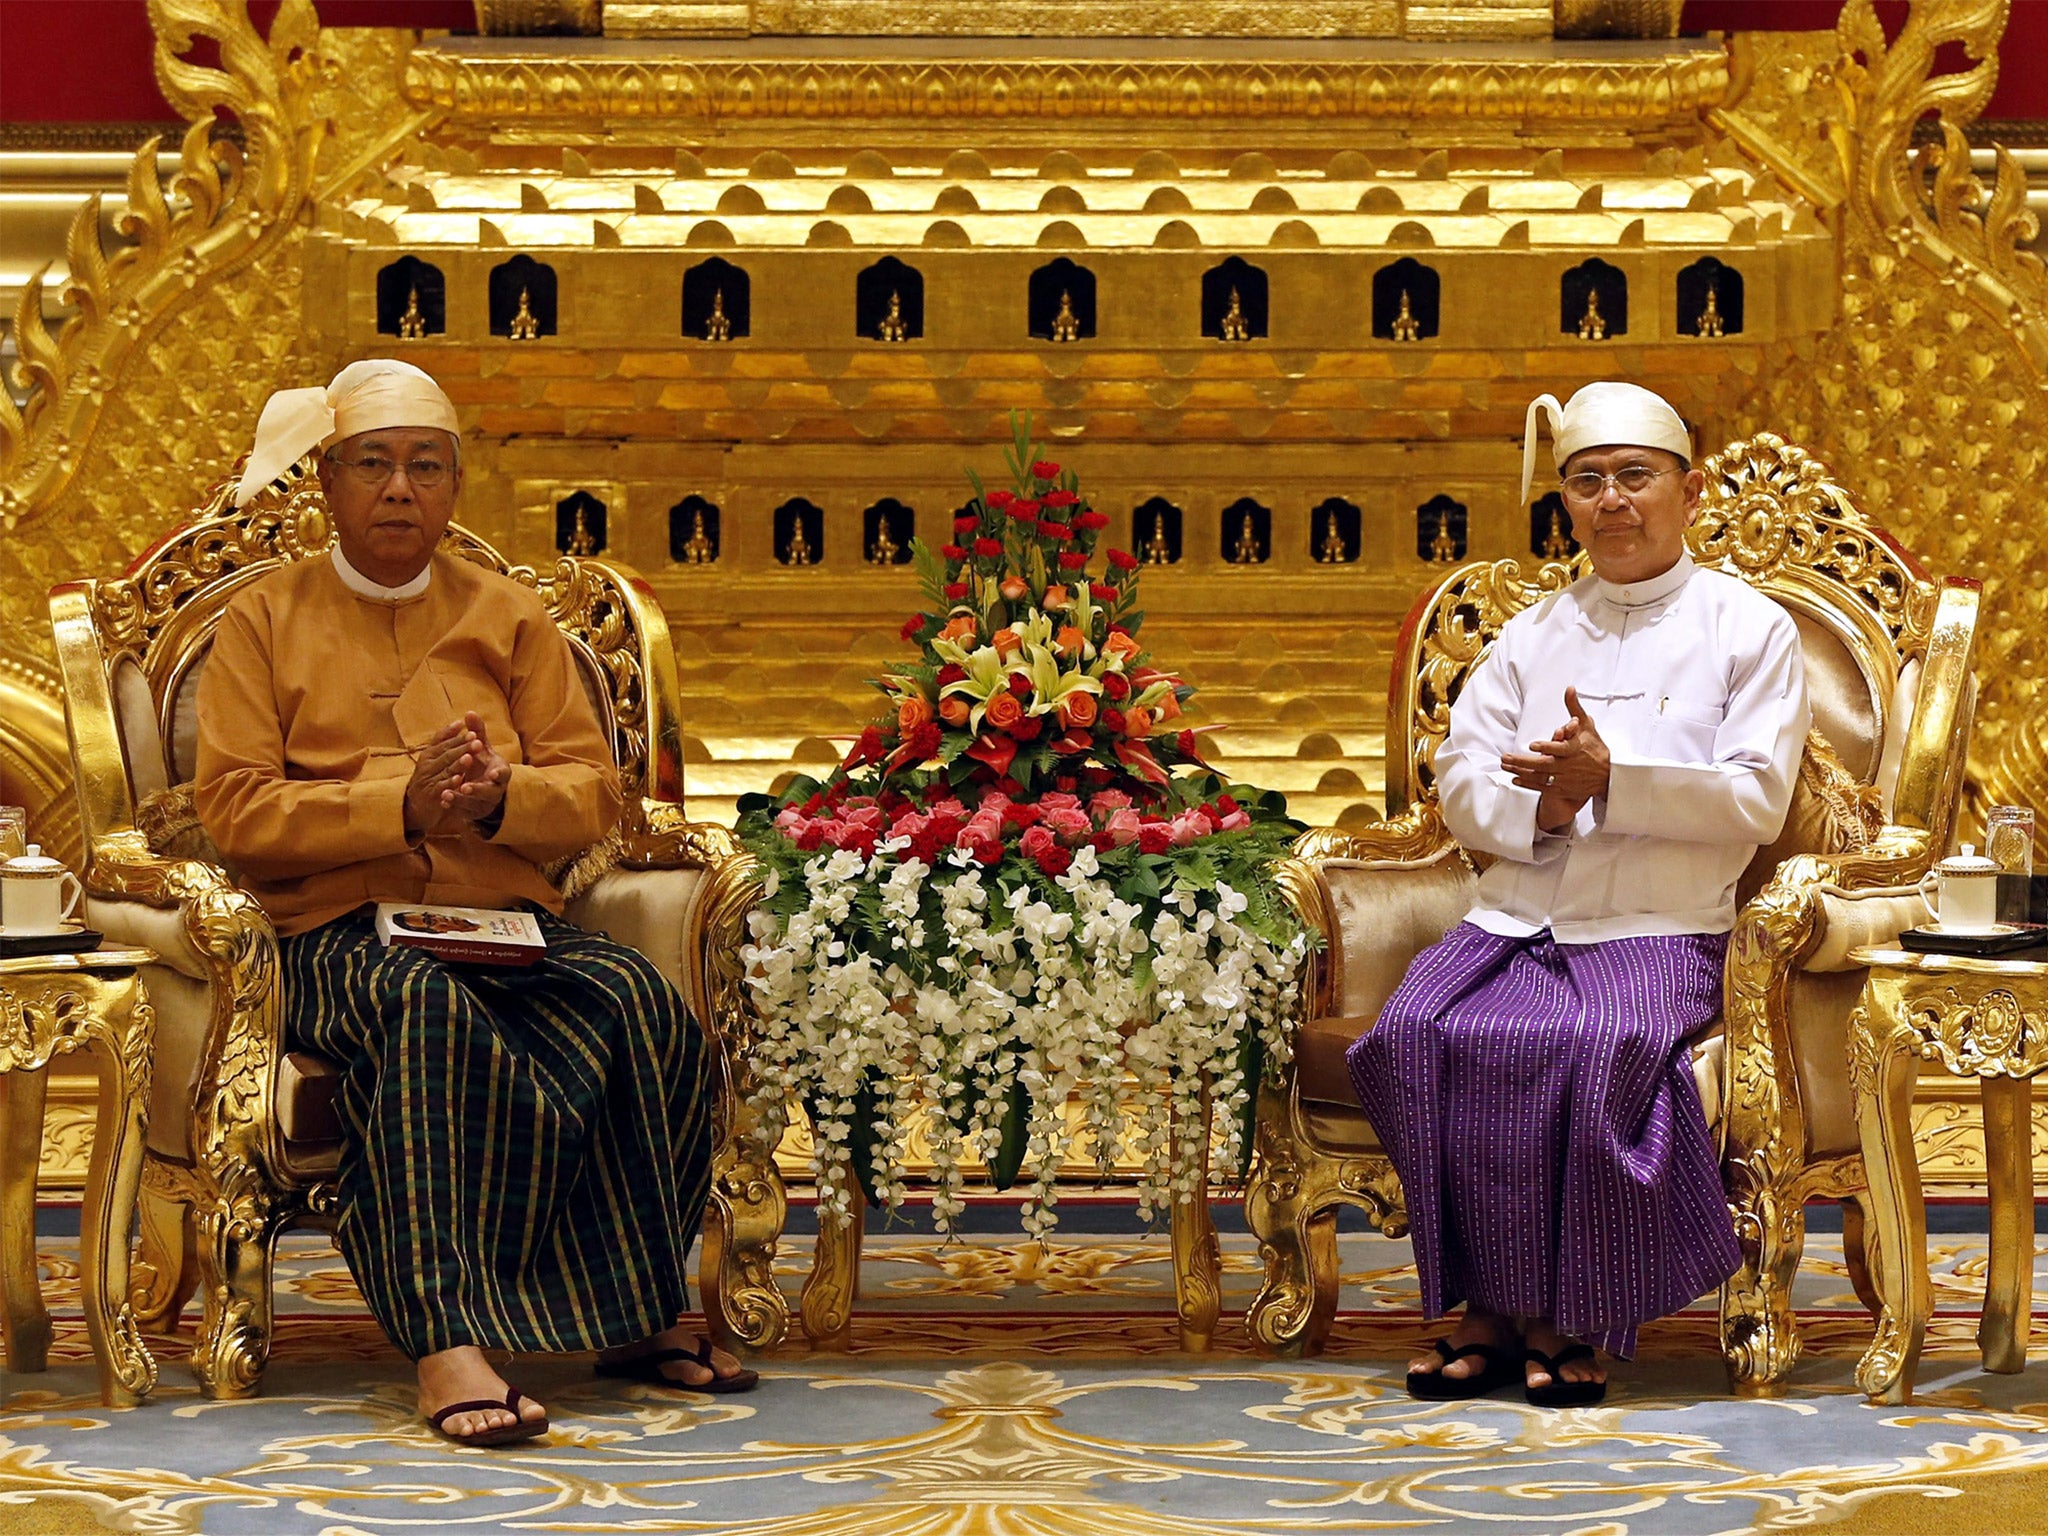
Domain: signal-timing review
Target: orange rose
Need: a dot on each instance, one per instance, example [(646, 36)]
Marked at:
[(1056, 597), (1077, 710), (1007, 642), (1069, 641), (954, 711), (912, 712), (1167, 708), (1003, 710), (1138, 723), (966, 627), (1120, 646), (1015, 588)]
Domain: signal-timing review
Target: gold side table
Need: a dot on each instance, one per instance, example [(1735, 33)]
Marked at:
[(49, 1006), (1986, 1019)]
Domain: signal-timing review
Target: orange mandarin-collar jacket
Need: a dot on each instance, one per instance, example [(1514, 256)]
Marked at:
[(310, 706)]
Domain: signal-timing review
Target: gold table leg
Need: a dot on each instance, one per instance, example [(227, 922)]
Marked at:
[(1197, 1257), (2009, 1286), (1885, 1068), (826, 1305), (24, 1320)]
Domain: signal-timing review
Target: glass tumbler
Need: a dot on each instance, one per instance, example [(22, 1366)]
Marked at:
[(13, 831), (2009, 843)]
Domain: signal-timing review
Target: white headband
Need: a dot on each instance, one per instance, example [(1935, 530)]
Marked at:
[(369, 396), (1602, 415)]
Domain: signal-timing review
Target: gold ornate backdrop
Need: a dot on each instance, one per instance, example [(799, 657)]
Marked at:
[(1314, 258)]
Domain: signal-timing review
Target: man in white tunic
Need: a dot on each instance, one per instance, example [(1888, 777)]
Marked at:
[(1622, 752)]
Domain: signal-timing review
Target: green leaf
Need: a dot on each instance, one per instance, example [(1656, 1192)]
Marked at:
[(1016, 1127), (1251, 1067)]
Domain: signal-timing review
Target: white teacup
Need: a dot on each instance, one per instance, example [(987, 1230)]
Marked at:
[(1966, 892), (32, 898)]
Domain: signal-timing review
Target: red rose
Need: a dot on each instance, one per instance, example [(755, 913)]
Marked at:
[(966, 525), (1155, 837), (952, 551), (1094, 522), (988, 549), (1066, 783), (1116, 686), (1059, 498), (1020, 685), (1103, 592), (913, 624), (955, 591), (1113, 721), (1123, 560), (1050, 530), (1045, 469), (951, 672), (1074, 560)]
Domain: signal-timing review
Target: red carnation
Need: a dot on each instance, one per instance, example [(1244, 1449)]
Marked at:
[(1113, 721), (810, 837), (1021, 817), (912, 625), (951, 672), (1059, 498), (1074, 560), (1024, 512), (1094, 522), (1227, 806), (988, 549), (1000, 499), (955, 591), (1050, 530), (1055, 860), (922, 742), (1045, 469), (1028, 728), (952, 551), (1155, 837), (965, 525), (867, 749), (1123, 560), (1020, 685), (1102, 591), (1116, 686)]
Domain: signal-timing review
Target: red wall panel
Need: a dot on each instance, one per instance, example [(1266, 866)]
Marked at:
[(89, 60)]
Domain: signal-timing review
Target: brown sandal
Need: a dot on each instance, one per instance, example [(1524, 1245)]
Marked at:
[(648, 1368), (504, 1434)]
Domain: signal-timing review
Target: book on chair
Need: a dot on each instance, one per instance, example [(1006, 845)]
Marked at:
[(476, 934)]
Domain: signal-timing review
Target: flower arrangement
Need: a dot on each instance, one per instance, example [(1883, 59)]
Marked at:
[(1023, 883)]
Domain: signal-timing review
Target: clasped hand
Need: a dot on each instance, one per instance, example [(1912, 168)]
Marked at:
[(458, 780), (1566, 771)]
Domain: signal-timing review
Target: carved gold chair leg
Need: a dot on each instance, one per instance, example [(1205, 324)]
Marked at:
[(24, 1320), (1857, 1256), (2009, 1287), (167, 1265), (237, 1240), (743, 1306), (826, 1305), (1759, 1334)]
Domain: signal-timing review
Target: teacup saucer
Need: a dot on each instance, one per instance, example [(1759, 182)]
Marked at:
[(64, 930), (1989, 931)]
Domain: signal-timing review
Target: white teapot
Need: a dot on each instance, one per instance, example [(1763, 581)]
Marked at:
[(32, 899), (1966, 892)]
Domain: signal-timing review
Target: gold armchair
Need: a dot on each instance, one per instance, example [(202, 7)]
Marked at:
[(243, 1137), (1887, 655)]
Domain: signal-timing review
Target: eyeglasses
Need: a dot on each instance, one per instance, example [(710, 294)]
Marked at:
[(375, 470), (1585, 488)]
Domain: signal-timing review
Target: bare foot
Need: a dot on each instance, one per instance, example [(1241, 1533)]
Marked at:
[(1538, 1334), (1477, 1326), (463, 1375), (682, 1373)]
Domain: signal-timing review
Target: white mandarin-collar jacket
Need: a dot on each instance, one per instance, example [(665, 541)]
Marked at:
[(1695, 681)]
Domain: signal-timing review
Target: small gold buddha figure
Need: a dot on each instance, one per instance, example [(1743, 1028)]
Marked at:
[(892, 327), (697, 549), (1157, 550), (580, 541), (1443, 549), (798, 550), (1711, 323), (412, 325), (1331, 550), (1066, 325), (1592, 325), (524, 326), (885, 549), (718, 328), (1406, 326), (1556, 544), (1247, 551), (1235, 327)]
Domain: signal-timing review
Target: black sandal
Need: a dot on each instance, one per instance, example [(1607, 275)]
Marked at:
[(647, 1367), (504, 1434), (1502, 1367), (1561, 1393)]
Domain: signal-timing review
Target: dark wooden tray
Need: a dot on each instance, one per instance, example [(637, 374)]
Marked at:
[(78, 941)]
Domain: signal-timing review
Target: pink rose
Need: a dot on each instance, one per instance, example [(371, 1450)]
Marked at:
[(1189, 827), (909, 824), (948, 807), (1059, 800), (1067, 822), (1036, 843), (1106, 802), (1122, 826), (1236, 821)]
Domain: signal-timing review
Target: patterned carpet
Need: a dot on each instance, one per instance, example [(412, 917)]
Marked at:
[(997, 1389)]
